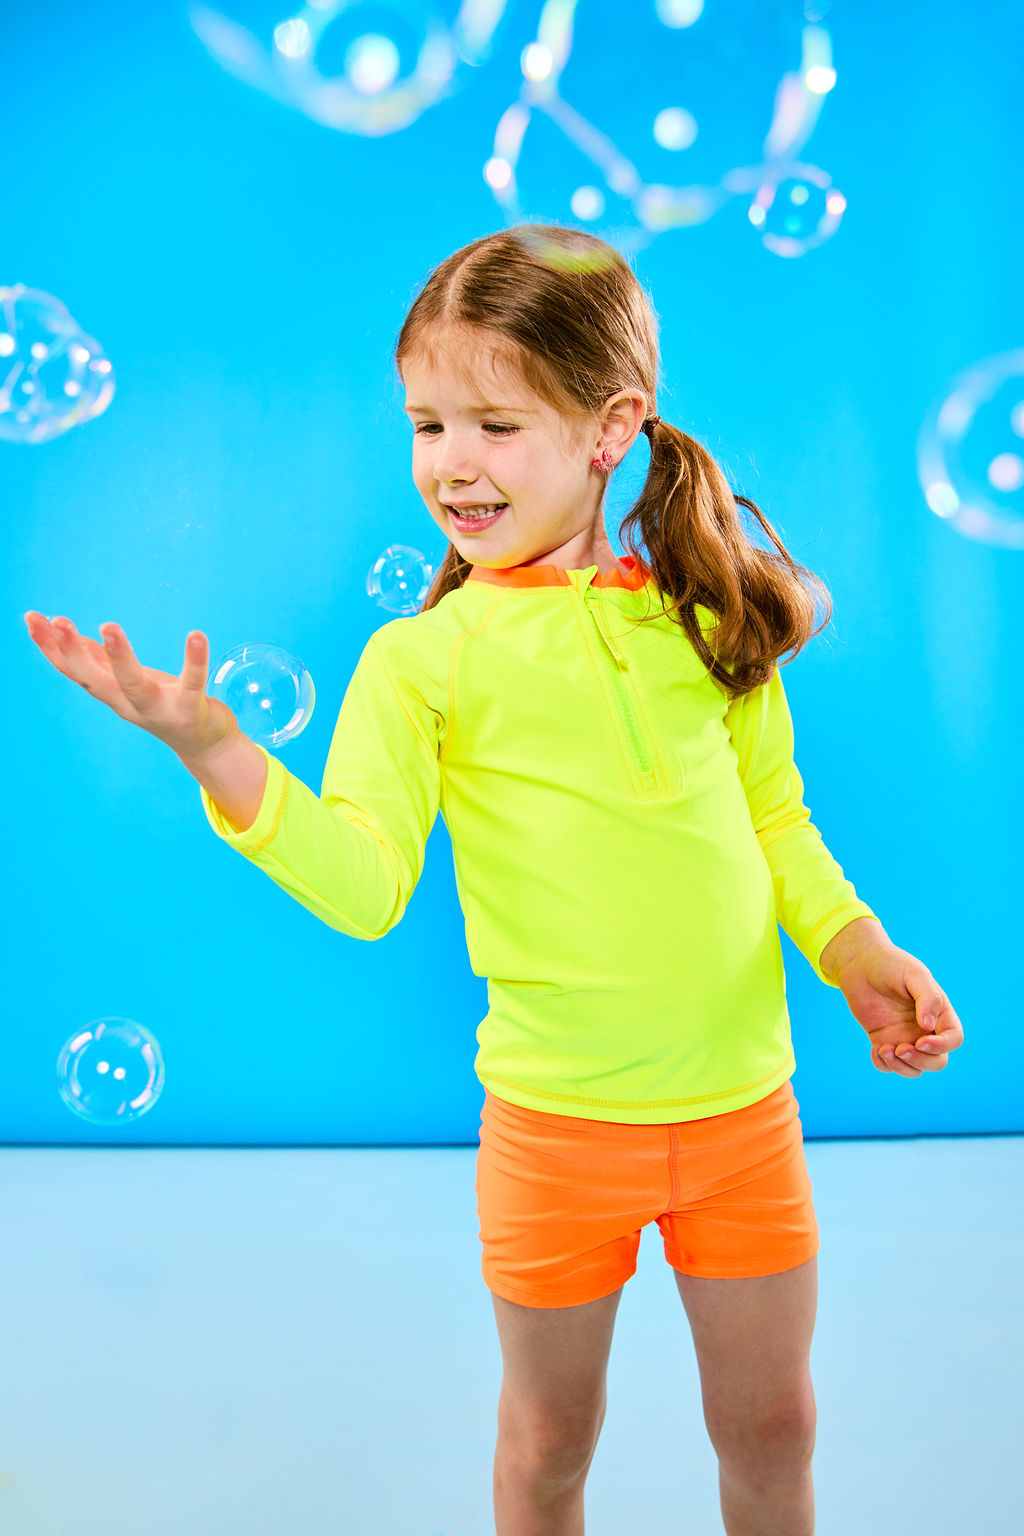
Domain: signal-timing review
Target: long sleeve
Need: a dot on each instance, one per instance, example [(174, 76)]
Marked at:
[(353, 856), (813, 898)]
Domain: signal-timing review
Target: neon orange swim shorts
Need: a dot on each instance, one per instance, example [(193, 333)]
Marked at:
[(562, 1201)]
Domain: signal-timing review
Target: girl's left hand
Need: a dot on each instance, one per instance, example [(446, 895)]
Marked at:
[(908, 1018)]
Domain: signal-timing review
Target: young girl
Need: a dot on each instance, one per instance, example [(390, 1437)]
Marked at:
[(609, 743)]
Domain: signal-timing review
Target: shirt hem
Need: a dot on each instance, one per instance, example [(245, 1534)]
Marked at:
[(652, 1112)]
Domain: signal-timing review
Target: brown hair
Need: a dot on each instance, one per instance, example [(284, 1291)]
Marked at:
[(571, 315)]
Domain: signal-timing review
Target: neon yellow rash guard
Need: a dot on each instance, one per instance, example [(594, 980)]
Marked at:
[(626, 842)]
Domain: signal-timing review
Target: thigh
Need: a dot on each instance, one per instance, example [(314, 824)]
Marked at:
[(752, 1337), (558, 1222), (555, 1363)]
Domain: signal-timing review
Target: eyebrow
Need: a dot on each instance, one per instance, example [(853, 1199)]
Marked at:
[(483, 410)]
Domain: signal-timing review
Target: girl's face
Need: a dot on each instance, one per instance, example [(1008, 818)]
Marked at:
[(489, 439)]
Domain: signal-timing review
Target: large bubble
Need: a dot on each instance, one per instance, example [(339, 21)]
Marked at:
[(629, 165), (399, 579), (970, 452), (268, 688), (110, 1071), (52, 375), (399, 57)]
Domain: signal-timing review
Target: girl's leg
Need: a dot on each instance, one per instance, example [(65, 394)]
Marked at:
[(550, 1412), (753, 1340)]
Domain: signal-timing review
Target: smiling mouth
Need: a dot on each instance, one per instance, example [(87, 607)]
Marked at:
[(480, 520)]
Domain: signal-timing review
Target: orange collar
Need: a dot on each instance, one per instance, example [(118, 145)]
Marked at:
[(627, 573)]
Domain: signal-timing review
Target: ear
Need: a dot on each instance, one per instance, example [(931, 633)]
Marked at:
[(622, 420)]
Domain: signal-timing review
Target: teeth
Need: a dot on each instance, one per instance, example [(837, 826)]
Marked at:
[(477, 511)]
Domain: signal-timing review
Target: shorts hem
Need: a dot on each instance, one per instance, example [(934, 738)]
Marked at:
[(528, 1298), (780, 1264)]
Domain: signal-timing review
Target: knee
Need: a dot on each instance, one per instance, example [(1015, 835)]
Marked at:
[(777, 1444), (550, 1462), (551, 1451)]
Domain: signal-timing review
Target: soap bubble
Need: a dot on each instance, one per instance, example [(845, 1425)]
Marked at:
[(970, 452), (52, 375), (390, 77), (269, 690), (400, 579), (631, 166), (111, 1071), (797, 211)]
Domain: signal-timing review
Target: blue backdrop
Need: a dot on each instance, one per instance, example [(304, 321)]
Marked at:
[(246, 269)]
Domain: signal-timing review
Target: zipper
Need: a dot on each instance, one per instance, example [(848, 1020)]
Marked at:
[(615, 663)]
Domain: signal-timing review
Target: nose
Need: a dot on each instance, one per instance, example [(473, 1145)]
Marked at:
[(453, 462)]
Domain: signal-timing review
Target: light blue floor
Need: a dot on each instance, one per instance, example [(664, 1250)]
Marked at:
[(300, 1343)]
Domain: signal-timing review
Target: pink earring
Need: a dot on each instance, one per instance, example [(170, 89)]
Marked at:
[(604, 462)]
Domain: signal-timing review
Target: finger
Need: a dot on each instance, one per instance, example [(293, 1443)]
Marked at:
[(916, 1062), (126, 667), (194, 672), (929, 1006), (933, 1060), (947, 1035), (897, 1064), (935, 1045), (117, 647), (941, 1019), (62, 645), (952, 1032), (44, 633)]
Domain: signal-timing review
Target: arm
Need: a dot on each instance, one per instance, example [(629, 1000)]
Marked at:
[(893, 996), (863, 933), (814, 902), (234, 775), (353, 854)]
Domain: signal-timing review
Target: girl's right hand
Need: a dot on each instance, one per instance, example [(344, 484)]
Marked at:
[(176, 710)]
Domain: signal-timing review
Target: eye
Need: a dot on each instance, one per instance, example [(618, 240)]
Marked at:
[(502, 429)]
